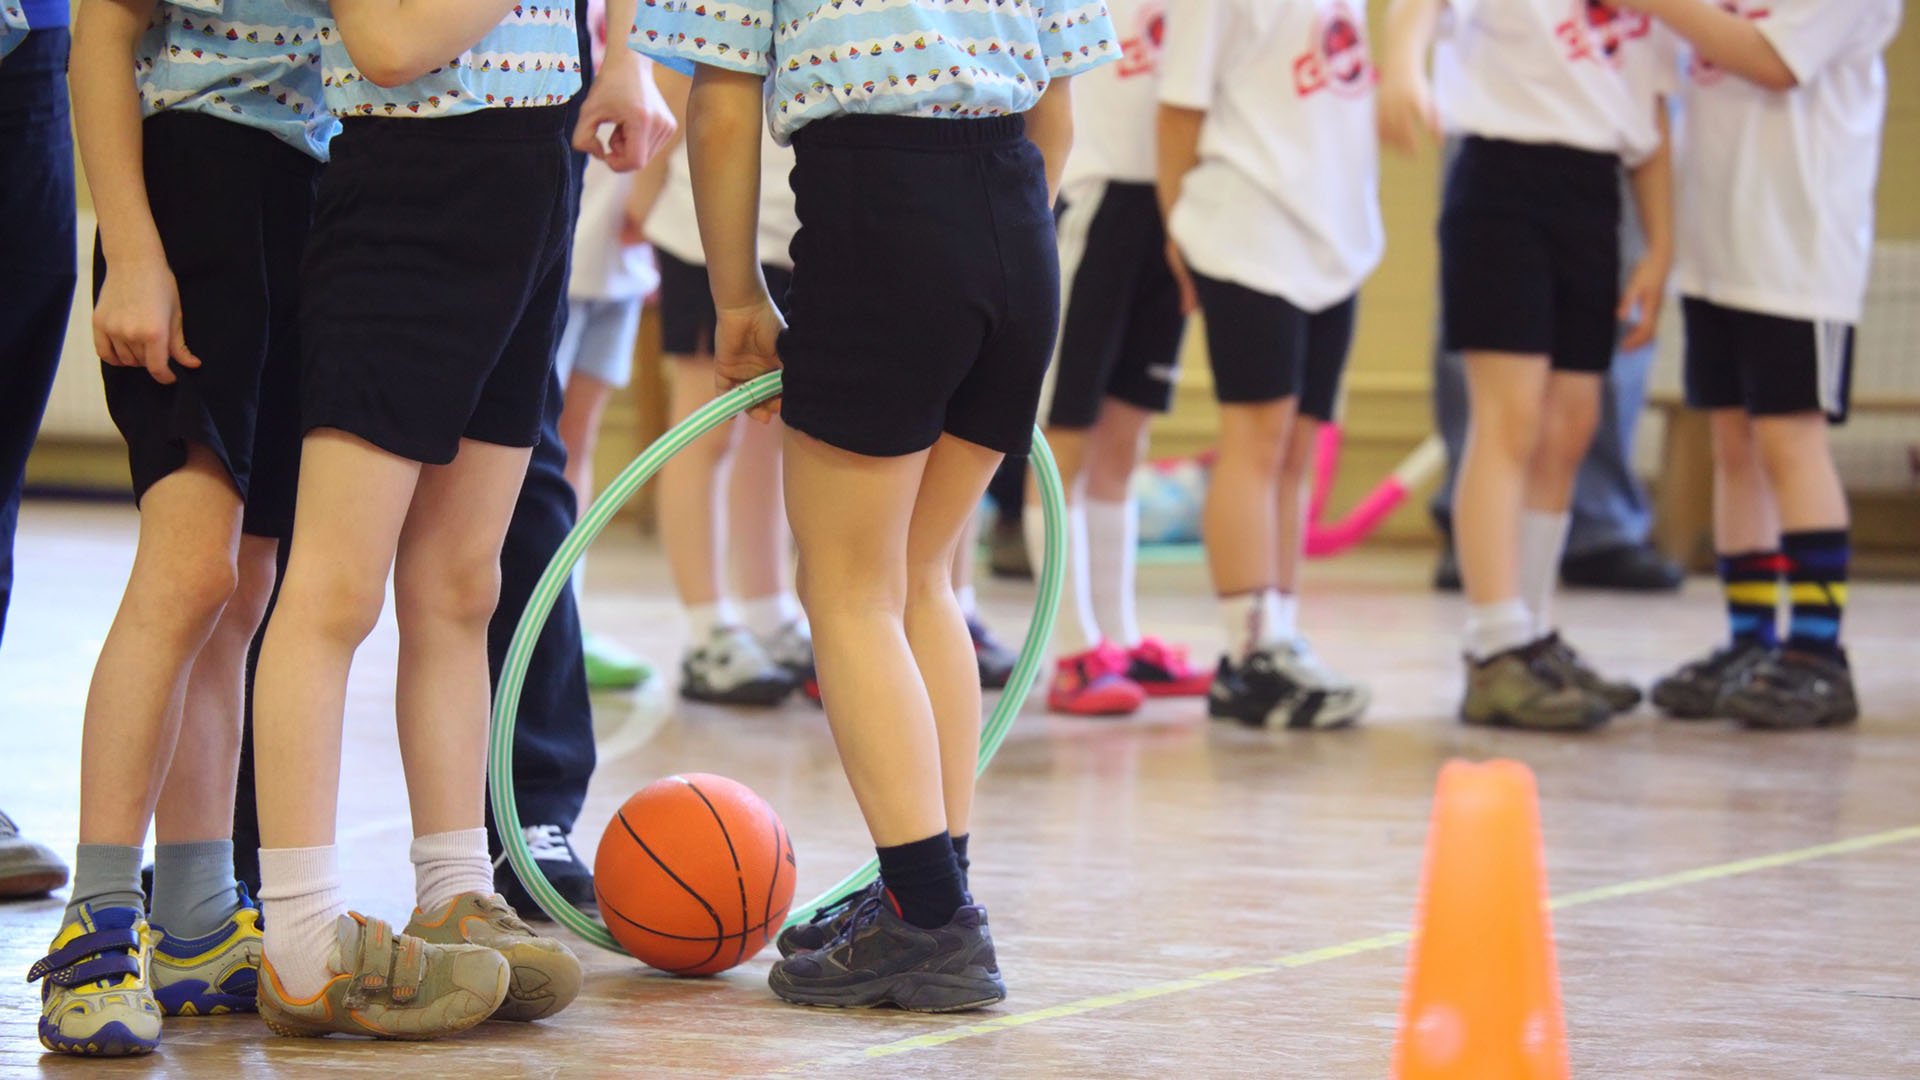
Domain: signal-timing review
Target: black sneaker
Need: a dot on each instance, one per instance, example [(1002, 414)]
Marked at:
[(1793, 689), (1285, 687), (1694, 691), (553, 853), (827, 923), (996, 660), (881, 959), (1629, 568), (1621, 696)]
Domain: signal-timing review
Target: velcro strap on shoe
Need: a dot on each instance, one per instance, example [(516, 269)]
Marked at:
[(376, 954), (409, 968), (99, 941), (111, 966)]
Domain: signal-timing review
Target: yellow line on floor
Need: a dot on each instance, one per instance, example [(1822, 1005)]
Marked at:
[(1354, 948)]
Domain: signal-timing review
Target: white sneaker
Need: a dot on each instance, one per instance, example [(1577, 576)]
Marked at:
[(1287, 687), (792, 648), (732, 668)]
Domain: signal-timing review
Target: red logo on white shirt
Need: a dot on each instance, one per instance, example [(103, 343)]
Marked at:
[(1140, 53), (1599, 31), (1707, 73), (1336, 58)]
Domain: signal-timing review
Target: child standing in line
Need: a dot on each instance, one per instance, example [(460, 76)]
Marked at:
[(1551, 101), (203, 175), (1115, 366), (1269, 178), (435, 285), (1780, 151), (925, 300), (722, 517)]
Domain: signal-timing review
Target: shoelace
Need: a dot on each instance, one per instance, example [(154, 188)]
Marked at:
[(548, 843), (867, 912), (829, 912), (503, 916)]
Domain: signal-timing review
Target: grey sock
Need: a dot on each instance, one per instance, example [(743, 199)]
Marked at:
[(105, 875), (194, 892)]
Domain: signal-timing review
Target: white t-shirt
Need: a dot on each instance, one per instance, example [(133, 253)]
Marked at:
[(1776, 187), (1113, 105), (673, 228), (603, 267), (1285, 199), (1576, 73)]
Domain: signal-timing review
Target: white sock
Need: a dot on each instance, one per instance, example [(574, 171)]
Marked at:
[(448, 864), (704, 619), (1279, 619), (1542, 538), (1076, 630), (300, 902), (1495, 628), (1113, 542), (969, 599), (766, 616)]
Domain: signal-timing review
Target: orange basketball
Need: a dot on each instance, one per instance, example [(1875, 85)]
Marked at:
[(694, 874)]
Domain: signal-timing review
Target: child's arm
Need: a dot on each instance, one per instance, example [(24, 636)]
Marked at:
[(136, 321), (1178, 151), (1724, 39), (723, 153), (1050, 126), (623, 96), (1405, 111), (394, 42), (1646, 288), (652, 177)]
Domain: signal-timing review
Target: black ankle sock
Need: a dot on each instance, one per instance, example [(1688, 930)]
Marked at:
[(960, 856), (923, 878)]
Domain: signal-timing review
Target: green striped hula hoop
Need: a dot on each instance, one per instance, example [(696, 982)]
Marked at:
[(558, 575)]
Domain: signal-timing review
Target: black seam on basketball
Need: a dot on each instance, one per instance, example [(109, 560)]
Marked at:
[(739, 877), (718, 926), (638, 925), (773, 886)]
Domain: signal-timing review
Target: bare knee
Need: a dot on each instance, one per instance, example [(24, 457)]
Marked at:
[(839, 584), (329, 604), (1788, 444), (1735, 449), (458, 589), (193, 586), (1257, 436)]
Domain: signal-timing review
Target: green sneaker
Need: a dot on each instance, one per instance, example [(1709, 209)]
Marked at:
[(212, 975), (1527, 688), (94, 999), (610, 666), (545, 973), (393, 987)]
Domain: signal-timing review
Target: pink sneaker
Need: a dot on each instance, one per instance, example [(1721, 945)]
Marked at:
[(1095, 683), (1162, 670)]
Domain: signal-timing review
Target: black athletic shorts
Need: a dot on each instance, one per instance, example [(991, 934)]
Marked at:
[(1530, 252), (436, 280), (686, 303), (926, 285), (1264, 349), (1120, 331), (1768, 365), (232, 204)]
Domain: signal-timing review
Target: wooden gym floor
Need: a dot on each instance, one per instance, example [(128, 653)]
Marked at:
[(1171, 899)]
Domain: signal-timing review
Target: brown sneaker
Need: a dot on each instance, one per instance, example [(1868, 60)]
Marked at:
[(546, 974), (392, 988), (1526, 688), (1621, 696)]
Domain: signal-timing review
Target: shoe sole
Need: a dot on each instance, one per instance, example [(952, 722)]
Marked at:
[(537, 987), (1591, 721), (114, 1039), (1685, 704), (923, 992), (1771, 721), (756, 694), (193, 997), (32, 883), (1167, 690), (1314, 715), (1117, 709)]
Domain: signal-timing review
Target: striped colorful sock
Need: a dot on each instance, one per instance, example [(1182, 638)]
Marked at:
[(1816, 587), (1751, 582)]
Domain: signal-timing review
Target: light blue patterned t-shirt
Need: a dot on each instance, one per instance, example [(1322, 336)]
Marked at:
[(934, 58), (19, 16), (531, 59), (254, 62)]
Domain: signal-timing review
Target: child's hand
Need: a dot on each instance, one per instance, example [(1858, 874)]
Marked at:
[(1640, 301), (1183, 278), (1404, 111), (136, 321), (624, 96), (745, 343)]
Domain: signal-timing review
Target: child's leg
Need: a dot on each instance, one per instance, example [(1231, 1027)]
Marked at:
[(1118, 443), (1814, 519), (353, 503), (182, 579), (758, 540), (1568, 418), (1746, 530), (586, 403), (1077, 628), (688, 501), (944, 517), (1506, 391), (1290, 509), (1239, 522)]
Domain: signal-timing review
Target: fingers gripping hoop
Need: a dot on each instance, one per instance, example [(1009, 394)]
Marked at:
[(558, 576)]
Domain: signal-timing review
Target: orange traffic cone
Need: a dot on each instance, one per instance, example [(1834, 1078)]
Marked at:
[(1482, 998)]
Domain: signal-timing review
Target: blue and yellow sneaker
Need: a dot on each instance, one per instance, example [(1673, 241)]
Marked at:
[(94, 999), (212, 975)]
